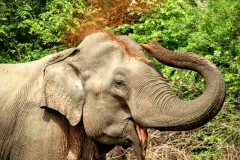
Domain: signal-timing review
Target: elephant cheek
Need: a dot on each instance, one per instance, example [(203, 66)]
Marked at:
[(91, 124)]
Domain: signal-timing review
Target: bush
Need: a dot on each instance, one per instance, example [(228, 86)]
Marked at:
[(31, 29)]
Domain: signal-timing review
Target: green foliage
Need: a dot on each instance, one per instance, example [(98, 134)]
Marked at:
[(166, 23), (59, 18), (31, 28)]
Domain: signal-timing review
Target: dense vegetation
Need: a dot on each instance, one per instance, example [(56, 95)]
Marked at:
[(32, 29)]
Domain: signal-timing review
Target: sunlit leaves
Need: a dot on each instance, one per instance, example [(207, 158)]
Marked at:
[(28, 26)]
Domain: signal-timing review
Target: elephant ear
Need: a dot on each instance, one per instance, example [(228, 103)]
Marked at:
[(63, 88)]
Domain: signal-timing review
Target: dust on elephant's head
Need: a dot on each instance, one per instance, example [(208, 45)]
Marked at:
[(110, 85)]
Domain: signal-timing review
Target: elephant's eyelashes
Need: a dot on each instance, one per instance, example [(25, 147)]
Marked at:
[(120, 88), (119, 83)]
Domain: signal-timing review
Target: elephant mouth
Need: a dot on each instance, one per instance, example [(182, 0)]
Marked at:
[(136, 138), (143, 137)]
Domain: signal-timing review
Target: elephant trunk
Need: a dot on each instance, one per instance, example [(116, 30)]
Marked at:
[(168, 112)]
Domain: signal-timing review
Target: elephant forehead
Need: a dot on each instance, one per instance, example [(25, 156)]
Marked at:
[(106, 42), (130, 46)]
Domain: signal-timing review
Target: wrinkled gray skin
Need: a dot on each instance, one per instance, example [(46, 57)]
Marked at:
[(81, 102)]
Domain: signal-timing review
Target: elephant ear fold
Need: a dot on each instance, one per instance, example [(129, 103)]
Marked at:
[(63, 88)]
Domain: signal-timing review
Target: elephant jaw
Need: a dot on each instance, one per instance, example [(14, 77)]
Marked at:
[(143, 136)]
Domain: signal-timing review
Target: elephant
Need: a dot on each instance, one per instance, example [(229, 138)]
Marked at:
[(81, 102)]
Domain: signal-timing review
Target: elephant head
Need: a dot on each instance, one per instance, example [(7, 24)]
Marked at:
[(110, 85)]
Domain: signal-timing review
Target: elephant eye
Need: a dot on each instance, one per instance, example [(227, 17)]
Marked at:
[(119, 83)]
